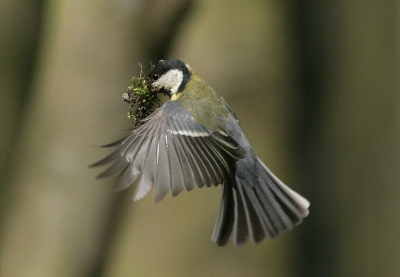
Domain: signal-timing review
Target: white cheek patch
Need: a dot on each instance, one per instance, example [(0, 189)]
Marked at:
[(170, 80)]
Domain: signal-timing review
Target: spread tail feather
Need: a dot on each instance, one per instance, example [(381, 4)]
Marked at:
[(256, 207)]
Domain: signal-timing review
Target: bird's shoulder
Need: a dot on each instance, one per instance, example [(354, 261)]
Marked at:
[(205, 105)]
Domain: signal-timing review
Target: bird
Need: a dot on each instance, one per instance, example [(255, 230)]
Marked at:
[(195, 140)]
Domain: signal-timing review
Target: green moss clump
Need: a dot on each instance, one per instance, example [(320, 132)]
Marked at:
[(142, 100)]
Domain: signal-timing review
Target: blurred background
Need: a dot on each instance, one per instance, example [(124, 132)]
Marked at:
[(315, 85)]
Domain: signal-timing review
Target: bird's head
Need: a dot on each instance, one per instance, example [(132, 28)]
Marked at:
[(169, 77)]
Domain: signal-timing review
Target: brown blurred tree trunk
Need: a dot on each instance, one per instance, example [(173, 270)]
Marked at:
[(349, 137), (56, 222), (19, 36)]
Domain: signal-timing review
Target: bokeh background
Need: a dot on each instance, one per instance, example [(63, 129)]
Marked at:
[(315, 84)]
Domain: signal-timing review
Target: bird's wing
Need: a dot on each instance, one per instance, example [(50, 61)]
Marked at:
[(172, 151)]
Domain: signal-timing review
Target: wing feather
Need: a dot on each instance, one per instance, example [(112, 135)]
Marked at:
[(175, 166), (134, 169), (189, 179), (194, 166), (163, 178), (172, 152)]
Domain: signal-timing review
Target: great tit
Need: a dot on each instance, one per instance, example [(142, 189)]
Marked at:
[(195, 140)]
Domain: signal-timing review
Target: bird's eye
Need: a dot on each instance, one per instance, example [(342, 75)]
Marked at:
[(155, 77)]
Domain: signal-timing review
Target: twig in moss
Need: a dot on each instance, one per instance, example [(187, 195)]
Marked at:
[(142, 100)]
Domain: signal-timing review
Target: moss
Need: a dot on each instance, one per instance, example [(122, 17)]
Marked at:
[(142, 100)]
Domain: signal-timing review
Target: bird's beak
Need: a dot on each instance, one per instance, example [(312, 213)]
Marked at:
[(154, 88)]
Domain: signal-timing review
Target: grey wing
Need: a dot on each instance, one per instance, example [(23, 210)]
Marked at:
[(172, 152)]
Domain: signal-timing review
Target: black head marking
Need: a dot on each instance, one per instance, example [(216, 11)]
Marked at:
[(164, 66)]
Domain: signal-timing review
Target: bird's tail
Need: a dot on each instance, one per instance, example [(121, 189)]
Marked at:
[(256, 207)]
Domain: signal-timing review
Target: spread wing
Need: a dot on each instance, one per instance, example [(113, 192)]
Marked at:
[(173, 152)]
